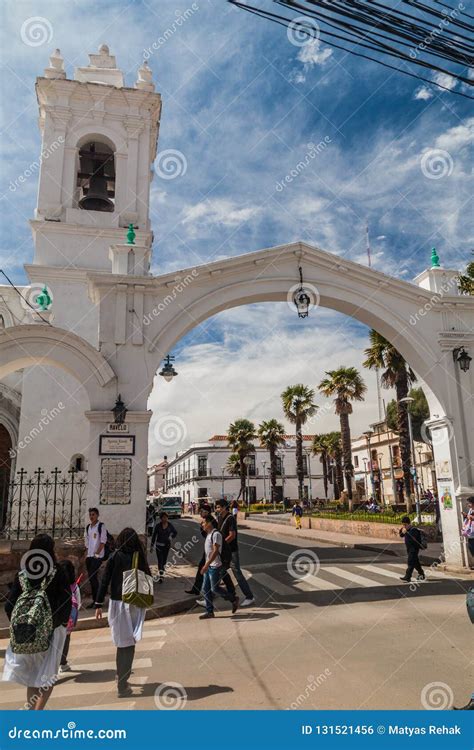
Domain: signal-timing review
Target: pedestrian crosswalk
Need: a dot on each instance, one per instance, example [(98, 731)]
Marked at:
[(280, 582), (90, 685)]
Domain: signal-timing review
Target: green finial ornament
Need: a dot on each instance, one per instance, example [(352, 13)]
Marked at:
[(434, 258), (44, 300), (131, 235)]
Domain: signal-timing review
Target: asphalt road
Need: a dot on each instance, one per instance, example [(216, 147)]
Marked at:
[(332, 628)]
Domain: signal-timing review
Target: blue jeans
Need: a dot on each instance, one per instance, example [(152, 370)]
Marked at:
[(241, 580), (210, 587)]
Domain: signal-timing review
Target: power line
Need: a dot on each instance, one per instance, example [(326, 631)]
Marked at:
[(412, 41), (23, 298)]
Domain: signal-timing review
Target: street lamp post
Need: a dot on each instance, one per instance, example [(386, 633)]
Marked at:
[(422, 484), (222, 490), (264, 463), (368, 434), (366, 485), (380, 456), (247, 462), (282, 458), (310, 486), (408, 400)]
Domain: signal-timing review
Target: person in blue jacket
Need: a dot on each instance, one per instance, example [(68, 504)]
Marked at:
[(163, 533)]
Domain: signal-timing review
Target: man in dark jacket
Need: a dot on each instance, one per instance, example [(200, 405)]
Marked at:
[(412, 537)]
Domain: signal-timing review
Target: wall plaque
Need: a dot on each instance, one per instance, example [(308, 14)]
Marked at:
[(117, 445), (115, 481)]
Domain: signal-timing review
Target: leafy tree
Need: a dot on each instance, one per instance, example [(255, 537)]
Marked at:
[(272, 436), (334, 448), (320, 447), (346, 385), (419, 411), (397, 374), (240, 437), (298, 405), (466, 280)]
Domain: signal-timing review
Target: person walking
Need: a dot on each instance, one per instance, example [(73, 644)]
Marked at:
[(95, 540), (70, 575), (38, 607), (228, 526), (468, 528), (297, 513), (163, 533), (413, 542), (213, 569), (125, 620)]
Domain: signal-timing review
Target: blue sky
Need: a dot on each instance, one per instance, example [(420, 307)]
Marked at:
[(242, 104)]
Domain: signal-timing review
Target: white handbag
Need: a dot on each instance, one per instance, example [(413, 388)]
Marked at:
[(137, 586)]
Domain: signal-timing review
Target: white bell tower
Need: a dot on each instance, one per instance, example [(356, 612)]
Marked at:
[(99, 140)]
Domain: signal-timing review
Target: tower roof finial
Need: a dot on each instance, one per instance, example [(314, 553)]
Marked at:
[(434, 258)]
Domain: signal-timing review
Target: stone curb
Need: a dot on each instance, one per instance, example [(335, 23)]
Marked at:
[(164, 610)]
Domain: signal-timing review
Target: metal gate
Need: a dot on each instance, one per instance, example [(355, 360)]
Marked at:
[(43, 503)]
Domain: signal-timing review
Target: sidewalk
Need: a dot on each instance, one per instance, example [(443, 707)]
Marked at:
[(170, 599), (353, 541)]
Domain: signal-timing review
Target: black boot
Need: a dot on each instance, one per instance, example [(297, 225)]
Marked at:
[(124, 669)]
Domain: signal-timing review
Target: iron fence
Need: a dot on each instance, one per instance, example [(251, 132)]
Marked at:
[(43, 503)]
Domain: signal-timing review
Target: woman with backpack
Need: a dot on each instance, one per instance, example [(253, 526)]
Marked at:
[(38, 607), (125, 619)]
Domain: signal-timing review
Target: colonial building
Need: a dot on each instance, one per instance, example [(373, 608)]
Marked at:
[(202, 471), (157, 477), (378, 467)]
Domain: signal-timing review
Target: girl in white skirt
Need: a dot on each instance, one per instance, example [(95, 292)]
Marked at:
[(39, 671), (125, 620)]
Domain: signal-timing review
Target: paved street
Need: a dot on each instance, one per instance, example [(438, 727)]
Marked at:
[(349, 635)]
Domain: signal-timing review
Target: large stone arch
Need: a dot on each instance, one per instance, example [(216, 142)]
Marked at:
[(42, 345)]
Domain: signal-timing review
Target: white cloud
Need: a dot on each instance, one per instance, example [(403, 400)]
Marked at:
[(423, 93), (443, 79), (218, 211), (312, 54)]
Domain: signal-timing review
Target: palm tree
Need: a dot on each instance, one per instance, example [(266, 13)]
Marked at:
[(346, 385), (240, 436), (397, 374), (334, 449), (272, 436), (233, 464), (298, 405), (320, 447)]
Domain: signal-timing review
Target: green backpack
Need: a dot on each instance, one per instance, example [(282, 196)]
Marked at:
[(31, 624)]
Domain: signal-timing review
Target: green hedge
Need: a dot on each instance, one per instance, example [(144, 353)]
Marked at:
[(389, 517)]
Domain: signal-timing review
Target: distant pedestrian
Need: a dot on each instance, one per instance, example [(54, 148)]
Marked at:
[(163, 534), (227, 524), (213, 569), (297, 512), (73, 582), (468, 527), (413, 542), (38, 607), (235, 509), (95, 540), (125, 620)]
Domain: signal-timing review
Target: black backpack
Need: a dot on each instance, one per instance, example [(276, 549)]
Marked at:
[(109, 546), (226, 553)]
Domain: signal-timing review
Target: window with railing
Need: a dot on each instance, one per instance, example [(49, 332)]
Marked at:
[(202, 466)]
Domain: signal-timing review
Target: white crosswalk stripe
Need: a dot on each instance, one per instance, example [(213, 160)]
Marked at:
[(347, 575), (313, 583), (378, 570), (272, 584)]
